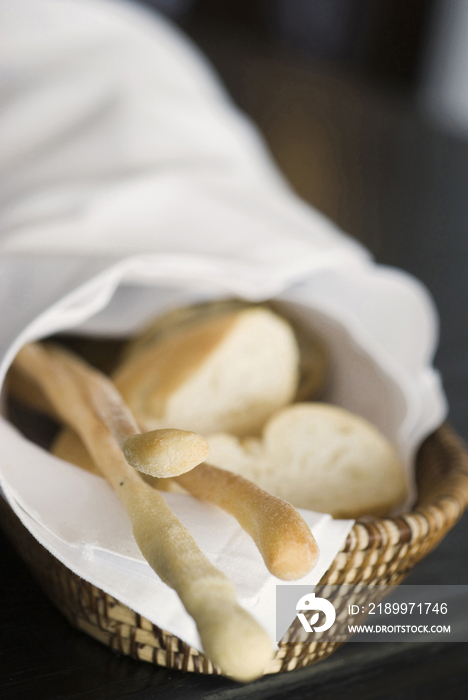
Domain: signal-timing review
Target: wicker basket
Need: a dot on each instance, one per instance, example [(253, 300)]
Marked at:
[(376, 551)]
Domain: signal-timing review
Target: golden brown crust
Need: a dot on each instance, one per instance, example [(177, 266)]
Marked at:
[(314, 361), (147, 379)]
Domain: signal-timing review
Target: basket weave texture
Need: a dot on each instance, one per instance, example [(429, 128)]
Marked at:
[(377, 551)]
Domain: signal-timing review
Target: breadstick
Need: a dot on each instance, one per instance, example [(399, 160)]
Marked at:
[(282, 536), (280, 533), (231, 638)]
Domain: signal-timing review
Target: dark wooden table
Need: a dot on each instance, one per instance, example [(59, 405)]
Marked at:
[(365, 157)]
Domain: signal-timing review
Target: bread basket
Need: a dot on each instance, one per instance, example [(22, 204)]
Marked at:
[(377, 551)]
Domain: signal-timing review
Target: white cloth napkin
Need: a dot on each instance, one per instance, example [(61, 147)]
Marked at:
[(132, 185)]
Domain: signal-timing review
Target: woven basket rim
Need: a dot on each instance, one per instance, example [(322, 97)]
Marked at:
[(440, 512)]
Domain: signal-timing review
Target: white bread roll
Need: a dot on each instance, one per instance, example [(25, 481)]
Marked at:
[(319, 457), (227, 373), (313, 354)]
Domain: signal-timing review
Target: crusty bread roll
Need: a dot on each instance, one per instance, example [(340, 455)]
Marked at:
[(226, 373), (319, 457), (313, 354)]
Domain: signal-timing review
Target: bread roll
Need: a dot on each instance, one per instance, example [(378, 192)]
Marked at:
[(319, 457), (228, 373), (313, 354)]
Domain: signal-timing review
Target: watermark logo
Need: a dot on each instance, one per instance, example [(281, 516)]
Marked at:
[(311, 602), (334, 613)]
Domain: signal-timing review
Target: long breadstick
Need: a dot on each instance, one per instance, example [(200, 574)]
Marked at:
[(281, 534), (279, 531), (231, 638)]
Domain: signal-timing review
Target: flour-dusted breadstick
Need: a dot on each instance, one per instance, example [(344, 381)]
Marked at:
[(281, 534), (231, 638), (279, 531)]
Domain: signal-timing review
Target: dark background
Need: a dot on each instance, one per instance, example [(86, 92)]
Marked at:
[(334, 86)]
